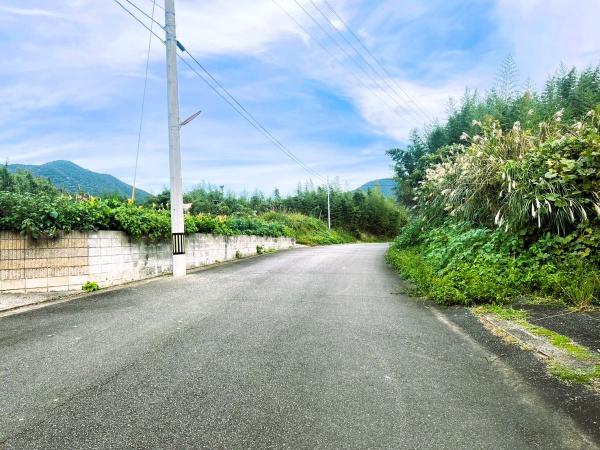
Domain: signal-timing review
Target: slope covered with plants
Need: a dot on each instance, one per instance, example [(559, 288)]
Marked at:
[(34, 207), (362, 214), (505, 196)]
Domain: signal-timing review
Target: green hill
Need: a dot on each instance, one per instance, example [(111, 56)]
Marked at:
[(73, 178), (386, 185)]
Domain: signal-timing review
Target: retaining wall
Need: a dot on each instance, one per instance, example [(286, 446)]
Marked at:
[(108, 258)]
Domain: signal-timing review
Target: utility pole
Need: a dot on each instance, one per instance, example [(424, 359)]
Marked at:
[(177, 230), (328, 207)]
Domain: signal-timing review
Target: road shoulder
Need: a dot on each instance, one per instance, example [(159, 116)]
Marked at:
[(579, 402)]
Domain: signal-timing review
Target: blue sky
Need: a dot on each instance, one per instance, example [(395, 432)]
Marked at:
[(71, 81)]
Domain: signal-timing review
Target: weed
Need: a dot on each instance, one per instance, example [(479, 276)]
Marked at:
[(238, 254), (560, 341), (90, 286), (501, 312), (455, 263), (260, 249), (574, 375), (520, 317), (579, 289)]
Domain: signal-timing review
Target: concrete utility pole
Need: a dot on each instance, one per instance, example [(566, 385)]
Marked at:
[(177, 229), (328, 207)]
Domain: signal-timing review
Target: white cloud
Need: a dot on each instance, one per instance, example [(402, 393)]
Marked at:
[(543, 33), (234, 26), (29, 12), (81, 61), (425, 105)]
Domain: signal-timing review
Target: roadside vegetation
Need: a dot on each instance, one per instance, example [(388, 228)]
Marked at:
[(504, 196), (581, 365), (363, 215), (34, 207)]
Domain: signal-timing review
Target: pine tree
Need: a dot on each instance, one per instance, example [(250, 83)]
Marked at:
[(507, 79)]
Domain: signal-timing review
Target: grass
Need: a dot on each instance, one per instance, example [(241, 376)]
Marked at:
[(558, 340), (570, 375), (581, 292), (559, 370), (501, 312), (519, 316)]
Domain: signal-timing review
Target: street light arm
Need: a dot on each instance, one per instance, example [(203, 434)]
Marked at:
[(189, 119)]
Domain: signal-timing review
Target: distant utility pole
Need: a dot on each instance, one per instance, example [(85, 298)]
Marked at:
[(328, 207), (177, 230)]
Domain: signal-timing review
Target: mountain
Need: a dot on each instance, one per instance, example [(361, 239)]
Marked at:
[(386, 185), (73, 178)]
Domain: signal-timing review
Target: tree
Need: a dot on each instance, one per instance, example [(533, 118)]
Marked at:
[(507, 79), (5, 178)]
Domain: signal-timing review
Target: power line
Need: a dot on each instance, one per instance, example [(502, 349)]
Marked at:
[(152, 19), (339, 60), (156, 4), (137, 19), (381, 66), (343, 49), (249, 118), (240, 109), (261, 127), (377, 73), (139, 140), (369, 65)]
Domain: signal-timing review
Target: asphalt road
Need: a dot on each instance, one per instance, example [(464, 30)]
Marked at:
[(309, 348)]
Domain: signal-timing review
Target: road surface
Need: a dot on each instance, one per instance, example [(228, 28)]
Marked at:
[(308, 348)]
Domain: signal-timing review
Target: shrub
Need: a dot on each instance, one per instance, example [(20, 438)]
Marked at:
[(521, 179), (411, 234), (506, 197), (38, 215), (138, 222), (90, 286), (456, 263), (308, 230)]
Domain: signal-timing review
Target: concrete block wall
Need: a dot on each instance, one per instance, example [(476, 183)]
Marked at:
[(44, 264), (108, 258)]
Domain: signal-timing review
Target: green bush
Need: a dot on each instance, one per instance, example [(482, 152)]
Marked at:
[(354, 212), (138, 222), (456, 263), (46, 215), (308, 230), (38, 215), (411, 234), (31, 205), (506, 196), (90, 286)]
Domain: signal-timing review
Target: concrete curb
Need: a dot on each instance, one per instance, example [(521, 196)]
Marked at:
[(515, 333)]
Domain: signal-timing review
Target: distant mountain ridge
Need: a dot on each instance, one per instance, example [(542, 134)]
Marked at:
[(386, 185), (73, 178)]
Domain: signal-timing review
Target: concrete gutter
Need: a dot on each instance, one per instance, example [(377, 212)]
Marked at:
[(515, 333)]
